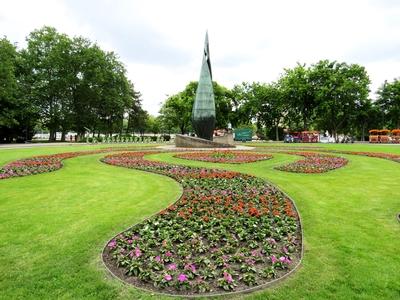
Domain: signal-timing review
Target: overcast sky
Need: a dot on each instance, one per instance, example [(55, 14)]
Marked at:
[(161, 42)]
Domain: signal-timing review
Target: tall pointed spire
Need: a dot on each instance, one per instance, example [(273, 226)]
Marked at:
[(203, 113), (207, 53)]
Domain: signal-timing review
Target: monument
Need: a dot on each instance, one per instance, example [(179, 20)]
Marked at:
[(203, 112)]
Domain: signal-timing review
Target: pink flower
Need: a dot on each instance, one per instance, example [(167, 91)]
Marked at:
[(191, 267), (228, 277), (130, 241), (273, 259), (157, 258), (168, 277), (168, 254), (172, 267), (285, 250), (112, 244), (182, 278), (282, 259), (138, 252), (250, 261)]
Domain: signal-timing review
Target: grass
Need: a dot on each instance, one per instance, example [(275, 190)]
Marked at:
[(53, 226)]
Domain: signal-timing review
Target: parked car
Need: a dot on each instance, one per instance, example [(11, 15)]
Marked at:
[(326, 139), (288, 138)]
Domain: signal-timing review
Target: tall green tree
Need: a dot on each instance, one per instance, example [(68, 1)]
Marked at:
[(47, 56), (270, 106), (76, 85), (367, 116), (17, 114), (389, 103), (339, 89), (298, 92), (8, 89), (139, 121), (8, 84), (244, 106)]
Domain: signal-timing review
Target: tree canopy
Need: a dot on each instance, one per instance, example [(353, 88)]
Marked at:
[(389, 103), (63, 84), (60, 83)]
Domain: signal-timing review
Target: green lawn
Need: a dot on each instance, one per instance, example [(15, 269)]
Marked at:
[(53, 226)]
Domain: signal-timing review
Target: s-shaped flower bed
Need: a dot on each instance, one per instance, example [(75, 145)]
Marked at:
[(229, 232), (313, 163), (389, 156), (225, 156), (45, 163)]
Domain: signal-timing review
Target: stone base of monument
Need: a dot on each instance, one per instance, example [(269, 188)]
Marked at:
[(227, 138), (184, 141)]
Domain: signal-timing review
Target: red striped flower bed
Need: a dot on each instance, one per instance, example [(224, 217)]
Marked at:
[(37, 164), (44, 163), (231, 157), (389, 156), (313, 163), (228, 232)]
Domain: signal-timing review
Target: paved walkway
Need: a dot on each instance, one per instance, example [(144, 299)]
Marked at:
[(32, 145), (237, 147)]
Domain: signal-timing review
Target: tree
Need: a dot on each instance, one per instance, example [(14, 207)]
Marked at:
[(8, 84), (47, 56), (8, 89), (17, 114), (269, 105), (389, 102), (177, 109), (298, 91), (339, 89), (367, 116), (153, 124), (243, 104)]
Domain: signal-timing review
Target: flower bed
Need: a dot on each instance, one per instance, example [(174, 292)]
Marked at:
[(44, 163), (231, 157), (313, 163), (389, 156), (228, 232)]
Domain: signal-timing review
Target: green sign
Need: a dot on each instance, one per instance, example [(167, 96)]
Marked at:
[(243, 134)]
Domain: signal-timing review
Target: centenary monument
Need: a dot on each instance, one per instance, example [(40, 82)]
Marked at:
[(203, 112)]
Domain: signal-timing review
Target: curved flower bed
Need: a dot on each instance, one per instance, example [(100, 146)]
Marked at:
[(313, 163), (44, 163), (389, 156), (228, 232), (231, 157)]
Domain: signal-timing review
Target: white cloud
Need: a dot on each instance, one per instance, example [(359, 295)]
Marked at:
[(161, 41)]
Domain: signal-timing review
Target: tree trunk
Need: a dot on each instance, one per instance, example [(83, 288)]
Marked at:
[(363, 133), (305, 121), (63, 134), (335, 136), (277, 132), (53, 135)]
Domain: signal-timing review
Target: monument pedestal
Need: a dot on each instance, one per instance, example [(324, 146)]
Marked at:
[(184, 141), (227, 138)]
